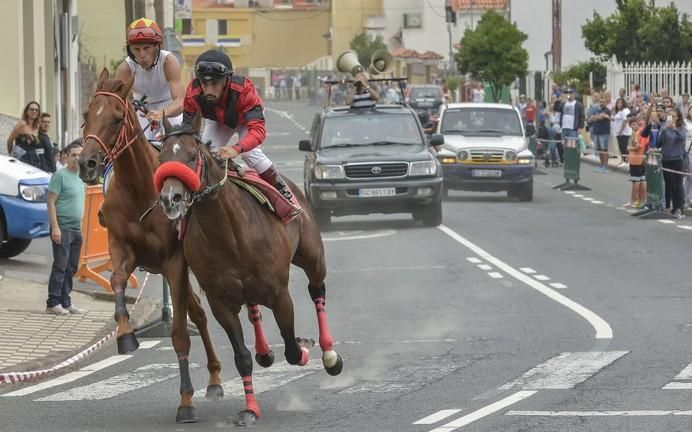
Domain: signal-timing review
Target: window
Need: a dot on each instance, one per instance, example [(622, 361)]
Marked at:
[(187, 26), (359, 129), (223, 27), (481, 121)]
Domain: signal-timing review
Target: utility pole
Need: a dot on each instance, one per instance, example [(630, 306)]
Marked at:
[(557, 35)]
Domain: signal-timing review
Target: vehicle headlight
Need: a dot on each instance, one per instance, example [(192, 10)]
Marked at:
[(463, 155), (33, 193), (510, 156), (525, 160), (425, 168), (329, 172)]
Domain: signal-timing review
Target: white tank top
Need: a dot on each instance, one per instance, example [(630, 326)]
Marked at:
[(151, 83)]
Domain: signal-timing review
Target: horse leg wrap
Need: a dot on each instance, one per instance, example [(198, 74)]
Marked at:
[(185, 381), (304, 356), (250, 400), (255, 316), (326, 341)]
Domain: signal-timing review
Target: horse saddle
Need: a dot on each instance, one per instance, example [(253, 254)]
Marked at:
[(266, 194)]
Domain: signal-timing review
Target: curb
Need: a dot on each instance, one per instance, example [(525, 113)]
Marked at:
[(591, 161)]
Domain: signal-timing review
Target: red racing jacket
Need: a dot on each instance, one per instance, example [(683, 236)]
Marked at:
[(240, 109)]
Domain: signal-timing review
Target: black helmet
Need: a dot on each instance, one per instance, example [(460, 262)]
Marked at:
[(213, 65)]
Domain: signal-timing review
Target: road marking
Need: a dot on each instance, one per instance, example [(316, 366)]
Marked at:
[(394, 268), (631, 210), (528, 270), (603, 329), (596, 202), (485, 267), (685, 227), (542, 277), (565, 371), (69, 377), (474, 260), (558, 285), (578, 196), (485, 411), (495, 275), (361, 237), (685, 374), (148, 344), (620, 208), (587, 199), (666, 221), (438, 416), (678, 386), (273, 134), (114, 386), (569, 192), (632, 413)]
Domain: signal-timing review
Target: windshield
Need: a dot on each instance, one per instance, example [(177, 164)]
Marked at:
[(368, 129), (470, 121), (425, 93)]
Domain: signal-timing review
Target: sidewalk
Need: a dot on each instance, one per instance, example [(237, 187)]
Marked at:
[(31, 339), (612, 163)]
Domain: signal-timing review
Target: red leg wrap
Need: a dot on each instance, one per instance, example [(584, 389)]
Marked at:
[(261, 345), (304, 357), (250, 401), (326, 341)]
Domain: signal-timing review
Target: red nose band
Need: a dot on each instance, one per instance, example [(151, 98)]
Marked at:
[(176, 170)]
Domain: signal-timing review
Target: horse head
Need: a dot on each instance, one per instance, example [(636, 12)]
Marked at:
[(107, 122), (182, 164)]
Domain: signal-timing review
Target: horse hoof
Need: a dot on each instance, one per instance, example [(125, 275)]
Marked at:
[(186, 414), (265, 360), (246, 418), (214, 392), (127, 343), (337, 368)]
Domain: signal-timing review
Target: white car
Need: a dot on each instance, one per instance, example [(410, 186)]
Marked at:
[(23, 209), (485, 149)]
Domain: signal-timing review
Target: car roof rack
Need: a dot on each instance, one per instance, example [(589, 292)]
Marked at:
[(400, 82)]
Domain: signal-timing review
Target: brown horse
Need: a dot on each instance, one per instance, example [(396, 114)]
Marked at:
[(241, 253), (111, 127)]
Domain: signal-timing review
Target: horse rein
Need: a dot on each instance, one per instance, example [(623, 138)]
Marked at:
[(122, 143)]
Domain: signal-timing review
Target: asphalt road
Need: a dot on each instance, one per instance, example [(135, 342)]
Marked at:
[(562, 314)]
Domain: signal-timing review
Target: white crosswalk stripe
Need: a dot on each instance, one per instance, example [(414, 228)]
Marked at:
[(684, 375)]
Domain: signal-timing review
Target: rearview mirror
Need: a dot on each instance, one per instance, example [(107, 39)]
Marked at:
[(305, 145), (437, 140)]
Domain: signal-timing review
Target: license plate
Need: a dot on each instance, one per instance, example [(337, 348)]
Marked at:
[(383, 192), (486, 173)]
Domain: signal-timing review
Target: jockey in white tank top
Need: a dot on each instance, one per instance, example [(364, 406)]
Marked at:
[(153, 83)]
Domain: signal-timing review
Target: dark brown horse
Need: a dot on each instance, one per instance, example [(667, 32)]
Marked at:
[(241, 253), (111, 127)]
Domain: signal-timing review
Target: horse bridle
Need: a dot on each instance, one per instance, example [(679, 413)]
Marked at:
[(122, 143)]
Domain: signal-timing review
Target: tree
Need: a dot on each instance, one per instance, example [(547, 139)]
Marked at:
[(492, 53), (577, 76), (452, 82), (639, 31), (365, 45)]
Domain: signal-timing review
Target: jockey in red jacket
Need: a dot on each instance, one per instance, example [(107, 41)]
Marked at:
[(230, 104)]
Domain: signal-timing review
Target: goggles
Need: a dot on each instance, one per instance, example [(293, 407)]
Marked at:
[(144, 34), (209, 70)]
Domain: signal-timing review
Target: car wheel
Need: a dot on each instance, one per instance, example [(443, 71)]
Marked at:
[(526, 191), (432, 214), (323, 217), (13, 247)]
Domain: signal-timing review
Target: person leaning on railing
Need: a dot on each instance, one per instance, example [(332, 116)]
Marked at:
[(672, 143)]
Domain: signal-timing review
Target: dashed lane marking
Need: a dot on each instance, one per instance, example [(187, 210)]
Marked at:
[(495, 275), (558, 285), (528, 270), (474, 260), (542, 277), (631, 413), (485, 267), (437, 417)]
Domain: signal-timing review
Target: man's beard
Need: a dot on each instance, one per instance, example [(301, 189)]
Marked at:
[(211, 98)]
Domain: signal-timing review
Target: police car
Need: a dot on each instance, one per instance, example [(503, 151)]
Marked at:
[(23, 209)]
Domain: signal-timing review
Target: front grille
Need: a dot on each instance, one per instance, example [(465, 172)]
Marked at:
[(487, 156), (375, 170)]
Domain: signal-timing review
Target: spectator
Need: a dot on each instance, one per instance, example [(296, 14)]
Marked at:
[(36, 151), (571, 117), (621, 127), (26, 128), (599, 125), (636, 149), (688, 144), (672, 143), (530, 112), (363, 95), (634, 93), (60, 159), (521, 106), (593, 108), (477, 93), (685, 106), (49, 149), (66, 193)]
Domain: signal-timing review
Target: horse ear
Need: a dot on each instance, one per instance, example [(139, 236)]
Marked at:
[(102, 78), (167, 126), (197, 123)]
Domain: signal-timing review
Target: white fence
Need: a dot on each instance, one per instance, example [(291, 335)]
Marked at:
[(651, 77)]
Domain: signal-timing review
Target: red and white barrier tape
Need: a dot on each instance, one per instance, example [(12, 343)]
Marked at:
[(676, 172), (16, 377)]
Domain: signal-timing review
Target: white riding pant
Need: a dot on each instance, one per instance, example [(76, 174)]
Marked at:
[(219, 134), (155, 134)]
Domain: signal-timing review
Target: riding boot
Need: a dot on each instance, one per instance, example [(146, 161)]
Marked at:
[(272, 177)]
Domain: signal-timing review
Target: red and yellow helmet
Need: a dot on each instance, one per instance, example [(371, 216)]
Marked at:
[(144, 30)]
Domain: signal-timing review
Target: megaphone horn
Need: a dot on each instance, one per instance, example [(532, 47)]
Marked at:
[(348, 63), (381, 62)]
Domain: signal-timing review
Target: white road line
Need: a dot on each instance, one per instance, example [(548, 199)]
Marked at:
[(542, 277), (393, 268), (564, 371), (596, 202), (587, 199), (485, 411), (114, 386), (643, 413), (666, 221), (569, 192), (474, 260), (685, 374), (558, 285), (485, 267), (528, 270), (438, 416), (631, 210), (495, 275), (69, 377), (620, 208), (149, 344), (361, 237), (685, 227), (578, 196), (678, 386), (603, 329)]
